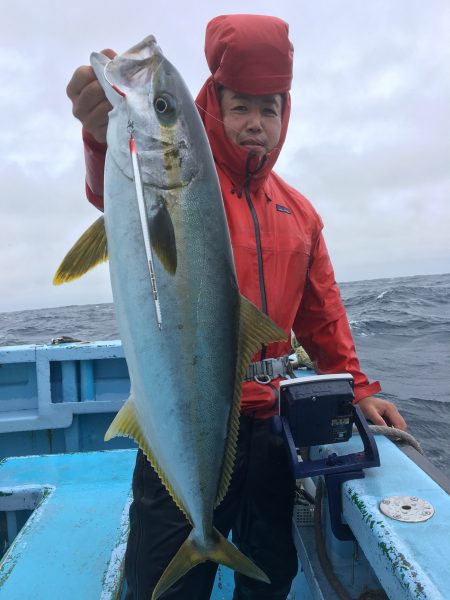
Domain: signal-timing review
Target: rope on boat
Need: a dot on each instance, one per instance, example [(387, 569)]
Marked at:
[(396, 435), (301, 356)]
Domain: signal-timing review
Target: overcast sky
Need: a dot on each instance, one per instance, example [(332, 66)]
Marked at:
[(369, 140)]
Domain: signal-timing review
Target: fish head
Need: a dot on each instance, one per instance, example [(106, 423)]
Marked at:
[(151, 101)]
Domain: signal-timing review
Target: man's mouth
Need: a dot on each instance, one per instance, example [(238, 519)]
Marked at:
[(252, 144)]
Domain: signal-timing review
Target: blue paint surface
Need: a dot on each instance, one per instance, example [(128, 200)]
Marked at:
[(66, 397), (410, 559), (49, 405), (61, 398), (65, 548), (73, 544)]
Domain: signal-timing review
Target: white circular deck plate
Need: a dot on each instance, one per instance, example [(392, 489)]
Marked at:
[(407, 508)]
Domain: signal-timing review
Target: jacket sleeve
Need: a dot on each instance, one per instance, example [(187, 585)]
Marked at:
[(94, 157), (322, 327)]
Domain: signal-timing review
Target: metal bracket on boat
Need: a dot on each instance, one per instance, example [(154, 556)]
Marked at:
[(318, 410)]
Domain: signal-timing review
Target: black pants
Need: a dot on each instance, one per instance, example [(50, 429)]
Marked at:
[(257, 508)]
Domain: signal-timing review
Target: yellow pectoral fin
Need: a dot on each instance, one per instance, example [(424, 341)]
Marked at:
[(89, 251), (255, 329)]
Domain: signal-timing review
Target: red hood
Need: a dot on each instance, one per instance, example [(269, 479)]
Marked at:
[(252, 55)]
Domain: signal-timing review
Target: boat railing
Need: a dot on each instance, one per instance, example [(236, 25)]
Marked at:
[(60, 398)]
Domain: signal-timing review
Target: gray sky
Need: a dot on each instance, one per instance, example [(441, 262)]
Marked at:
[(368, 144)]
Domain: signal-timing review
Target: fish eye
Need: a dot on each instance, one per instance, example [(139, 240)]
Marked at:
[(164, 105)]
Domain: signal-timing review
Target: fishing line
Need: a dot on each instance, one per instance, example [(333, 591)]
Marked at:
[(211, 115)]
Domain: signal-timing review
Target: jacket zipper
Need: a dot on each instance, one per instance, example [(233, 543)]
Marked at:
[(262, 286)]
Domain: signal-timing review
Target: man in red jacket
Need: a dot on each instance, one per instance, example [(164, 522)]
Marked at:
[(282, 266)]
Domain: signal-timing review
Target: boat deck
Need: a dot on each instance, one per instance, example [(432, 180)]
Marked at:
[(73, 544), (64, 499)]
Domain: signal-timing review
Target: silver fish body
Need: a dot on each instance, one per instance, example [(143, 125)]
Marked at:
[(186, 374), (182, 388)]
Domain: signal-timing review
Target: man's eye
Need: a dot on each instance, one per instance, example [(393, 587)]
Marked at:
[(239, 108)]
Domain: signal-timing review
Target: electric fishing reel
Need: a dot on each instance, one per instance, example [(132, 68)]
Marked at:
[(316, 410)]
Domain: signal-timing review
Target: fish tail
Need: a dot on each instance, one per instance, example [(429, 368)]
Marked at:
[(218, 550)]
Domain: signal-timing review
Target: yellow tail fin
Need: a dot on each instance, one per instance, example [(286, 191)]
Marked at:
[(220, 550)]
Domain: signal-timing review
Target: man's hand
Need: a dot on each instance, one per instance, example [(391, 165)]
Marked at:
[(382, 412), (89, 103)]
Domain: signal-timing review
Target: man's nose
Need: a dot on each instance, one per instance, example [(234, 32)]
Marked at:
[(254, 120)]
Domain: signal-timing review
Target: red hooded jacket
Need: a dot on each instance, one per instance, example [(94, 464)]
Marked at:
[(280, 255)]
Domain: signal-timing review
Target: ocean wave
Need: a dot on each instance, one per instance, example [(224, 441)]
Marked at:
[(382, 295)]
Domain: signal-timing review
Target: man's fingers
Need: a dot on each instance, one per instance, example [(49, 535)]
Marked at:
[(91, 107), (89, 98), (96, 122), (395, 418), (82, 77), (376, 418), (382, 412), (89, 103), (109, 53)]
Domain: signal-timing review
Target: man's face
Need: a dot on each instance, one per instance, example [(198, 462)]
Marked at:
[(252, 122)]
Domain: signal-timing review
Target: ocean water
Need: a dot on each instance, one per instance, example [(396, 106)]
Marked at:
[(401, 328)]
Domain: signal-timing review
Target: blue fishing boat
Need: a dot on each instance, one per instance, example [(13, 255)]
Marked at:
[(377, 531)]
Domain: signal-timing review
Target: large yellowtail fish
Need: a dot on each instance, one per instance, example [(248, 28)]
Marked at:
[(187, 333)]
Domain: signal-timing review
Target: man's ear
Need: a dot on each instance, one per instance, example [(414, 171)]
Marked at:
[(283, 102)]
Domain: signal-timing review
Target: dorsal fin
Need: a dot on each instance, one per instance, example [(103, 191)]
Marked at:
[(255, 329)]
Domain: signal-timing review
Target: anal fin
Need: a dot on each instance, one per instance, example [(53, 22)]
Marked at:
[(126, 424)]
